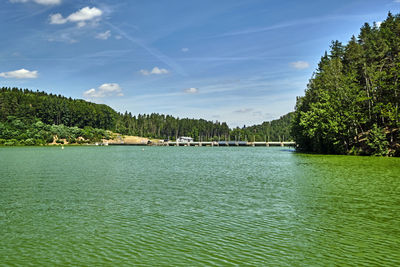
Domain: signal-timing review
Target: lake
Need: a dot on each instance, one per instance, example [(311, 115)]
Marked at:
[(88, 205)]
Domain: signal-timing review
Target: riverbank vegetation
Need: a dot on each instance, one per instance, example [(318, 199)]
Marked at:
[(351, 104), (15, 131), (36, 118)]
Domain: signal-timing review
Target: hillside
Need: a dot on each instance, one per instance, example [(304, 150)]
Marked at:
[(37, 118)]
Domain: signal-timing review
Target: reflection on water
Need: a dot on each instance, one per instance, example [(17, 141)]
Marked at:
[(197, 205)]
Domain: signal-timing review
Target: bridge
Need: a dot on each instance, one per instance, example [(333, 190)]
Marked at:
[(226, 143)]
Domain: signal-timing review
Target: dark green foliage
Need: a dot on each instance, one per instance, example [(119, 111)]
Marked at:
[(376, 141), (68, 116), (276, 130), (52, 109), (168, 127), (351, 104), (34, 118)]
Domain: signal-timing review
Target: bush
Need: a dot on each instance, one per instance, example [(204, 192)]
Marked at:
[(11, 142), (71, 140), (30, 142), (377, 142)]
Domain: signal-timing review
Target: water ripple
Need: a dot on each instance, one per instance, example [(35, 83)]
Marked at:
[(196, 206)]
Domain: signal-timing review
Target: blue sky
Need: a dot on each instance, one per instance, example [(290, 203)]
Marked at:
[(242, 61)]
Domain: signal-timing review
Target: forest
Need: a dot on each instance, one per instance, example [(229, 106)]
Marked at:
[(275, 130), (351, 104), (37, 118)]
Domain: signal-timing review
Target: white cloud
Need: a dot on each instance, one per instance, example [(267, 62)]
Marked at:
[(57, 19), (64, 37), (20, 74), (103, 35), (84, 14), (379, 23), (81, 24), (118, 37), (145, 72), (396, 1), (48, 2), (155, 70), (243, 110), (104, 90), (40, 2), (80, 17), (300, 65), (191, 90), (185, 49)]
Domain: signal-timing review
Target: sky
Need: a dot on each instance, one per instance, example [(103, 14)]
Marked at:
[(241, 62)]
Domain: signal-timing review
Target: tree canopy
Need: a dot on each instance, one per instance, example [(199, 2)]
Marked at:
[(351, 104), (38, 116)]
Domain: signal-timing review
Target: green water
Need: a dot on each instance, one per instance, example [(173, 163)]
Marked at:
[(197, 206)]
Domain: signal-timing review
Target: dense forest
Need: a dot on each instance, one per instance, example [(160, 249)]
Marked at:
[(35, 118), (351, 104), (276, 130)]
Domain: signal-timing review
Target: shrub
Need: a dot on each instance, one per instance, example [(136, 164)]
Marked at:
[(30, 142), (11, 142), (377, 142)]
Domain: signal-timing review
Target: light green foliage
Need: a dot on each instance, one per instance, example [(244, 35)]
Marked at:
[(16, 132)]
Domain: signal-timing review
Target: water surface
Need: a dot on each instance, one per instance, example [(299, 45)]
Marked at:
[(197, 206)]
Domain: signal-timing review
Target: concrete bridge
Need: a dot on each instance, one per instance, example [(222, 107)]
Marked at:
[(226, 143)]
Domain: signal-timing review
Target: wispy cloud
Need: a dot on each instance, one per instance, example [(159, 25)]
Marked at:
[(155, 53), (243, 110), (65, 37), (185, 49), (300, 65), (191, 90), (103, 35), (20, 74), (155, 71), (293, 23), (40, 2), (80, 17), (104, 90)]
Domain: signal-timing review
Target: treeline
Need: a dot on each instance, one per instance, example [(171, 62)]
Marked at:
[(276, 130), (54, 109), (168, 127), (30, 107), (351, 104), (34, 117)]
